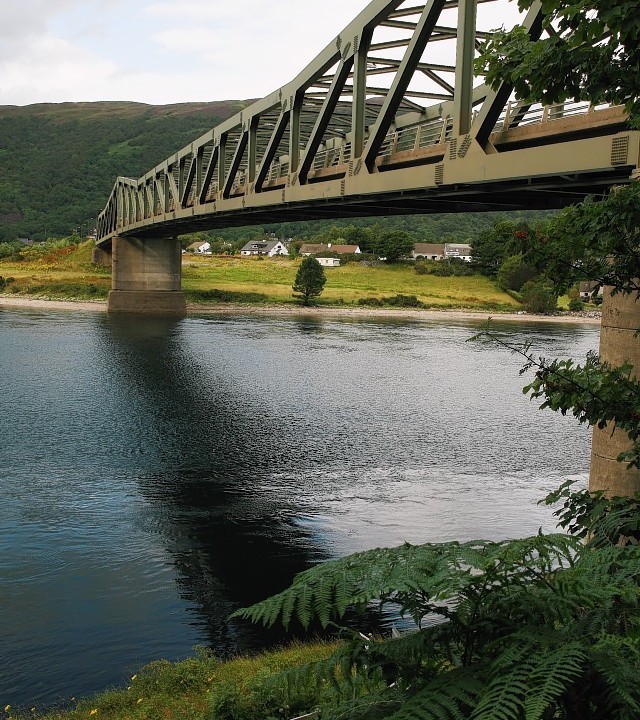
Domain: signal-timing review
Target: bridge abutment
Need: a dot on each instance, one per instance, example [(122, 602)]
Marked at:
[(101, 257), (146, 276), (618, 344)]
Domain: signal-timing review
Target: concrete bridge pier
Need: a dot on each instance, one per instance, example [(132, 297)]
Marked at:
[(146, 276), (618, 344), (99, 256)]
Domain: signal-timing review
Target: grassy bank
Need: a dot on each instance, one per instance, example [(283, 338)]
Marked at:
[(199, 688), (68, 273)]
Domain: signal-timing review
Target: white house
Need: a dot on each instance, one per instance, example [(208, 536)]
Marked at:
[(329, 262), (203, 248), (264, 247), (590, 289), (458, 250)]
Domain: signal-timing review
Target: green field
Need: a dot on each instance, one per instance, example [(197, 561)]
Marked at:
[(270, 280), (68, 273)]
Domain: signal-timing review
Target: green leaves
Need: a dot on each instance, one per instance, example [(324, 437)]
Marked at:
[(589, 54), (594, 393)]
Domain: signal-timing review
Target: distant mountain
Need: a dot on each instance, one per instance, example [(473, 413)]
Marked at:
[(58, 162)]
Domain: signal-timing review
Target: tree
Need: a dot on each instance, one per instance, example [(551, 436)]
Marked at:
[(395, 244), (503, 239), (515, 272), (592, 54), (310, 280), (538, 296)]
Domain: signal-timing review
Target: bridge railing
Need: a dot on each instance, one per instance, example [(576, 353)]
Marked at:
[(417, 137), (517, 114)]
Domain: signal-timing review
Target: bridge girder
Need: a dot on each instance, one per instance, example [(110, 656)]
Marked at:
[(390, 117)]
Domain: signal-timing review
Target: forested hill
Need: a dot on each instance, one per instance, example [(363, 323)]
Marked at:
[(58, 163)]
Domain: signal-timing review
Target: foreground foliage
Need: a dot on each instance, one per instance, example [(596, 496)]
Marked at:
[(541, 627)]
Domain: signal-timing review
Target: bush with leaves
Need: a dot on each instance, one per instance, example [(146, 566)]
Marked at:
[(515, 272), (539, 296)]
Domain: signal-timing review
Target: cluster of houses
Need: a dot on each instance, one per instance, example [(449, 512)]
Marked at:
[(326, 253)]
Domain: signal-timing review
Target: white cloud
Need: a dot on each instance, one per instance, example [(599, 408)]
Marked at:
[(161, 51), (51, 70)]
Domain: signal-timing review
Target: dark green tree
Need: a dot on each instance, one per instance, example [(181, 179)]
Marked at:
[(395, 244), (310, 281), (495, 244), (539, 296), (515, 272), (592, 54)]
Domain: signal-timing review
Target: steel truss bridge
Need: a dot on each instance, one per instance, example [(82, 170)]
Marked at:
[(391, 117)]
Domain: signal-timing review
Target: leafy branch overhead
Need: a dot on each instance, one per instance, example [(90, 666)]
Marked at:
[(588, 55)]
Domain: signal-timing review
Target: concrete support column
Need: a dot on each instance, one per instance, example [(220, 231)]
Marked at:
[(618, 344), (100, 256), (146, 276)]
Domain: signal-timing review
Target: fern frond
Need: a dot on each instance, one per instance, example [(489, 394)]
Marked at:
[(450, 696), (617, 661), (532, 670), (417, 577)]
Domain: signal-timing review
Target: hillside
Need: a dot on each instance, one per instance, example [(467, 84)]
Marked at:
[(58, 163)]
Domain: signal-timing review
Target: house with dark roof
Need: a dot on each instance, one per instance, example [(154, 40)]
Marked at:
[(264, 247), (462, 251), (590, 289), (202, 248)]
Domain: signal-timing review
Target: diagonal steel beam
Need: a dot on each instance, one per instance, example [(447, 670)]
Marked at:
[(496, 100), (412, 55), (272, 148), (235, 163), (324, 117)]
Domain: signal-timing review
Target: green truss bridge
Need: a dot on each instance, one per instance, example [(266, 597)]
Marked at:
[(390, 118)]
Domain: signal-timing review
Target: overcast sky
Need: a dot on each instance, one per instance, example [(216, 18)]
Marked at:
[(160, 51)]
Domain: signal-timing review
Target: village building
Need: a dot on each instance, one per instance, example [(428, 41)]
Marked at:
[(202, 248), (458, 250), (319, 248), (428, 251), (264, 247)]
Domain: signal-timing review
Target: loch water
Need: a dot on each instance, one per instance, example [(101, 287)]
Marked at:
[(156, 474)]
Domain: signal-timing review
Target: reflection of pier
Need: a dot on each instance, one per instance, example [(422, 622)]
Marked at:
[(230, 545)]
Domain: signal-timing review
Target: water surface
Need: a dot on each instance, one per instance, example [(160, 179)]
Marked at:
[(157, 474)]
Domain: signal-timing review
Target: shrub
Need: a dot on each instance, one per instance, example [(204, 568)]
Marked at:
[(410, 301), (575, 305), (538, 297), (371, 302), (514, 273)]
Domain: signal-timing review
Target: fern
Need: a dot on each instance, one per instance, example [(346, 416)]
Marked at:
[(530, 629), (419, 578)]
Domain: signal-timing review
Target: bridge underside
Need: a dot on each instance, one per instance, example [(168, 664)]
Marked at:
[(547, 193)]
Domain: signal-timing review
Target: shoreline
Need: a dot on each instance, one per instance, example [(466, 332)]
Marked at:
[(332, 311)]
